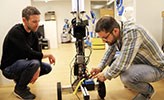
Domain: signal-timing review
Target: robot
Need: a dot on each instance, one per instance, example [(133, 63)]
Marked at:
[(83, 81), (66, 35)]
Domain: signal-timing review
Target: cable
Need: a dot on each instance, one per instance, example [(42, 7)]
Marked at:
[(88, 57), (78, 85)]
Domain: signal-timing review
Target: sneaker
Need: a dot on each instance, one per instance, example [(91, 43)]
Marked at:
[(24, 94), (141, 96)]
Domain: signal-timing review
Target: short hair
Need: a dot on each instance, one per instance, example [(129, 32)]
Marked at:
[(107, 24), (30, 10)]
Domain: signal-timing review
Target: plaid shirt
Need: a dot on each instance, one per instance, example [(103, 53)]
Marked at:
[(137, 47)]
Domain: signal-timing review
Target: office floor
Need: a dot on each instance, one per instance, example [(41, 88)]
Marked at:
[(45, 87)]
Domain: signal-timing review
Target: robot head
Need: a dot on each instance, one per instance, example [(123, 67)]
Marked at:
[(66, 20)]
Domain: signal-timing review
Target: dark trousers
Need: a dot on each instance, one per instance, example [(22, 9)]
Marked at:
[(23, 70)]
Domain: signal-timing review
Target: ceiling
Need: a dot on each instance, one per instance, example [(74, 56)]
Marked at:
[(69, 0), (95, 4)]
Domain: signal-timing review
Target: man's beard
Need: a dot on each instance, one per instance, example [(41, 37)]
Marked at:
[(28, 26), (113, 42)]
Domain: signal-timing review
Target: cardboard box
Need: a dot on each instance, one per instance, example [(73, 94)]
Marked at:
[(104, 12), (162, 13)]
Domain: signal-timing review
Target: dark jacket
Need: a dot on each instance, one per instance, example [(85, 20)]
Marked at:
[(19, 44)]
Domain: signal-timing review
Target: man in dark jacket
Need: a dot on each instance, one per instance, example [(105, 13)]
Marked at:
[(21, 56)]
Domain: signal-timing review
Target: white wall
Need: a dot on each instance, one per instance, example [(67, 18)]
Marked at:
[(62, 10), (51, 33), (148, 14), (10, 14)]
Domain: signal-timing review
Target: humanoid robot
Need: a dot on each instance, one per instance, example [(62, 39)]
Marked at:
[(66, 34)]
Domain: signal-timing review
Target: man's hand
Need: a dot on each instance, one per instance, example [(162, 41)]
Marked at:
[(100, 77), (95, 71), (51, 59), (35, 77)]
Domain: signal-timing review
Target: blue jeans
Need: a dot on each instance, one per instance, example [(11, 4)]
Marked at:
[(138, 77), (23, 70)]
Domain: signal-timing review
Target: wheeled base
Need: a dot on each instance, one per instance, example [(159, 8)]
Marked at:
[(99, 86)]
